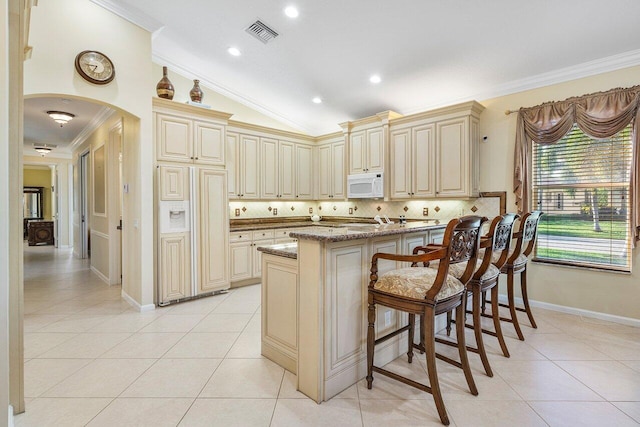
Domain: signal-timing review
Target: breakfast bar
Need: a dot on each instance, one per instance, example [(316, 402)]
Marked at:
[(314, 301)]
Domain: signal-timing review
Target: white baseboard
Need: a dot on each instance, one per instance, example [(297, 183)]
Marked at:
[(136, 305), (65, 247), (10, 422), (102, 277), (578, 311)]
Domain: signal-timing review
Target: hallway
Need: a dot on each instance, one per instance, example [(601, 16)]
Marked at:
[(92, 360)]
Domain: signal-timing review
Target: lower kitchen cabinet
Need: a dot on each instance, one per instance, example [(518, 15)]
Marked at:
[(245, 259)]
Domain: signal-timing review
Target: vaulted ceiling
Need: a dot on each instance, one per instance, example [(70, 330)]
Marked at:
[(427, 53)]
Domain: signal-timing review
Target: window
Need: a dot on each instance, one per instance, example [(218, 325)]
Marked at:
[(582, 185)]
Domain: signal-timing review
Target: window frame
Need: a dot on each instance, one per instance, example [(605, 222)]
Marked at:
[(555, 192)]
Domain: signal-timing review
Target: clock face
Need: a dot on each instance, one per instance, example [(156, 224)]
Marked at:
[(95, 67)]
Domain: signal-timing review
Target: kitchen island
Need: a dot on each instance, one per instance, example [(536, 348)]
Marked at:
[(314, 301)]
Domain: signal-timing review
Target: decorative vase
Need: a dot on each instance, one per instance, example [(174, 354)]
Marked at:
[(164, 88), (196, 93)]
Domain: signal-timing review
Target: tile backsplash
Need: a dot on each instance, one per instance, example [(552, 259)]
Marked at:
[(365, 208)]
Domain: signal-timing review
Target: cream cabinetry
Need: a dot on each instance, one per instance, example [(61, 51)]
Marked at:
[(331, 173), (280, 310), (213, 222), (191, 201), (304, 172), (436, 154), (267, 164), (248, 167), (240, 250), (366, 151), (277, 160), (245, 259), (185, 136), (412, 171)]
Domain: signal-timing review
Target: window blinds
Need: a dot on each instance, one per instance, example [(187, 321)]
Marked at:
[(582, 185)]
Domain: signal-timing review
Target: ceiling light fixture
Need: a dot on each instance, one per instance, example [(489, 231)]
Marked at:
[(61, 117), (44, 149), (375, 79), (234, 51), (291, 12), (317, 100)]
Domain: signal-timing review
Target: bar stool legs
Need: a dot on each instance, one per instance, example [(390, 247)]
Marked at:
[(525, 298)]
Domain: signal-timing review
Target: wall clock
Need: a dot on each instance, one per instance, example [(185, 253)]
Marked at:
[(95, 67)]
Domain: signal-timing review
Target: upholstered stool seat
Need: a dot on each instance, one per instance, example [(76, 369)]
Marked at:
[(415, 282)]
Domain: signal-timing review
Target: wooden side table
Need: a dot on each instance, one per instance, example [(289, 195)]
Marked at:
[(40, 232)]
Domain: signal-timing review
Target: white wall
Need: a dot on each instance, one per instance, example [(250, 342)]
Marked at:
[(59, 31), (218, 102), (612, 293)]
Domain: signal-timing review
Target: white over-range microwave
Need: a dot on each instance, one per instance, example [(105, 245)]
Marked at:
[(365, 186)]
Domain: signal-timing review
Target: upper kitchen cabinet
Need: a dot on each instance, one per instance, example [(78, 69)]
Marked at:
[(368, 140), (242, 166), (413, 172), (268, 164), (189, 134), (304, 172), (436, 154), (277, 160), (331, 170)]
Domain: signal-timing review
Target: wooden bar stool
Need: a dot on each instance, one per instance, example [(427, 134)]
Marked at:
[(493, 255), (517, 264), (426, 292)]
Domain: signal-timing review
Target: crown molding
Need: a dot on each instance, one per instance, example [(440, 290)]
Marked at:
[(192, 73), (103, 115), (131, 14), (586, 69)]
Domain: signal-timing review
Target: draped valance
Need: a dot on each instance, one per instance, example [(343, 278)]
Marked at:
[(599, 115)]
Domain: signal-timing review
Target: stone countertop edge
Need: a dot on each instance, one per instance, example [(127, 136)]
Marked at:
[(339, 234), (286, 250), (298, 224)]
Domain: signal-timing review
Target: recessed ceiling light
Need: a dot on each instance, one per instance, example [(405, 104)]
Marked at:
[(375, 79), (234, 51), (317, 100), (291, 12)]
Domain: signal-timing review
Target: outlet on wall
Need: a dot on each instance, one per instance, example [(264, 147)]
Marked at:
[(425, 211), (310, 210), (350, 211), (275, 211), (237, 212)]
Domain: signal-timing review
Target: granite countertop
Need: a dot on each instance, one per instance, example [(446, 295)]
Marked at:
[(289, 224), (328, 222), (287, 250), (362, 231)]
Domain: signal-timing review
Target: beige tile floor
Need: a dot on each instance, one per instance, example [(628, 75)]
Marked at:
[(91, 360)]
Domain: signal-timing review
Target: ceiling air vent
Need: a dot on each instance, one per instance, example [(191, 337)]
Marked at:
[(260, 31)]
